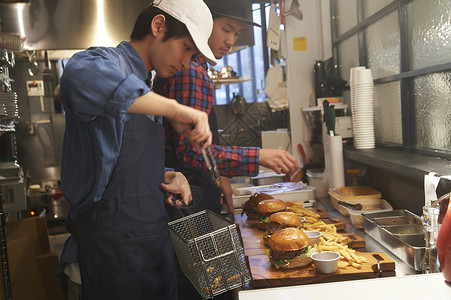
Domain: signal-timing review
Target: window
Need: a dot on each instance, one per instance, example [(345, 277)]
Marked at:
[(407, 45)]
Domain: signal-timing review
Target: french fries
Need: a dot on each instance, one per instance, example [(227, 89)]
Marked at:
[(348, 256), (298, 208), (330, 239), (311, 222)]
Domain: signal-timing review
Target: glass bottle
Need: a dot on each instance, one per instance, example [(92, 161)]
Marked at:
[(444, 245), (430, 263)]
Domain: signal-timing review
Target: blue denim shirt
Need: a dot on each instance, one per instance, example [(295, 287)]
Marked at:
[(97, 88)]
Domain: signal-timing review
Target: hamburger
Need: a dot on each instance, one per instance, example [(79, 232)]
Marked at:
[(290, 248), (250, 206), (266, 208), (281, 220)]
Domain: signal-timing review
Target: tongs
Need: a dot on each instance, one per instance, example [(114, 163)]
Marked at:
[(211, 165), (356, 206)]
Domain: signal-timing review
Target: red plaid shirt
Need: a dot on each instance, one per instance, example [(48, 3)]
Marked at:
[(193, 87)]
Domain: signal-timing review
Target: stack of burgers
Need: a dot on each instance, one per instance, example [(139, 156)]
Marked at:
[(250, 206), (289, 244)]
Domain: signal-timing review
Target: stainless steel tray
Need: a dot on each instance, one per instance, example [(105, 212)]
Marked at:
[(406, 241), (409, 229), (398, 220)]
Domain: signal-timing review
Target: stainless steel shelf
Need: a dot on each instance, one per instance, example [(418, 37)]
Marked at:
[(220, 81)]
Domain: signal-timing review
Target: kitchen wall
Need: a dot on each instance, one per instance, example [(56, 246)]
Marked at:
[(398, 175), (304, 42)]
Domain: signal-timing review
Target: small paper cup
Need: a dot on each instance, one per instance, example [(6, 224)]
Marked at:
[(326, 262), (364, 76), (313, 237), (302, 220)]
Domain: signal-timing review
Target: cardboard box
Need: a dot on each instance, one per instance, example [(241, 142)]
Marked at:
[(36, 228), (47, 264), (26, 281)]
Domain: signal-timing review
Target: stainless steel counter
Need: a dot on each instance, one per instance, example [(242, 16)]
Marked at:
[(415, 287)]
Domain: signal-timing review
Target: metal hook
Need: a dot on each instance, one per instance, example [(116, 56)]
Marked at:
[(33, 67)]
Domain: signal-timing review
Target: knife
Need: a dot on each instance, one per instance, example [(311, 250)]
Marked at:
[(332, 118), (326, 112)]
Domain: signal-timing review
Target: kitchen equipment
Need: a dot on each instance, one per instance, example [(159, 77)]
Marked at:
[(327, 117), (315, 178), (44, 193), (326, 262), (211, 165), (367, 196), (356, 215), (210, 253), (333, 159), (405, 239), (213, 73), (356, 206), (238, 105), (302, 193), (295, 10), (276, 139), (227, 72)]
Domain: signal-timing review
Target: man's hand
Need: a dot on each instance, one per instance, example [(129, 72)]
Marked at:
[(280, 161), (176, 183), (187, 121), (227, 193), (193, 125)]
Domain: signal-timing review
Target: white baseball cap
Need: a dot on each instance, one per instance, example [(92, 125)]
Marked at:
[(196, 16)]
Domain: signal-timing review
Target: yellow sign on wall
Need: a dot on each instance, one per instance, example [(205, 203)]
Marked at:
[(300, 43)]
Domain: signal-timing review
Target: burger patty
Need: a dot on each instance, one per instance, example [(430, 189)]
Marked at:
[(266, 215), (282, 255), (273, 227)]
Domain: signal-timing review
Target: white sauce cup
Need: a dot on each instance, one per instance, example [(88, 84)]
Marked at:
[(326, 262)]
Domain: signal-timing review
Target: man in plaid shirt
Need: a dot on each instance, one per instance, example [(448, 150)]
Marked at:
[(193, 87)]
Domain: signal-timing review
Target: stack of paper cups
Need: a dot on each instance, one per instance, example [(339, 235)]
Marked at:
[(362, 106), (352, 81)]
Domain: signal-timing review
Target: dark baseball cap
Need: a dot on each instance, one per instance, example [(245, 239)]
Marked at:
[(234, 9)]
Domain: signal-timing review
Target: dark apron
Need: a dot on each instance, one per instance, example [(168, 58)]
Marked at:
[(124, 247), (206, 195)]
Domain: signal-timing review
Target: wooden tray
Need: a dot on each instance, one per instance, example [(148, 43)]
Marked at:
[(339, 223), (265, 275), (322, 212), (253, 237)]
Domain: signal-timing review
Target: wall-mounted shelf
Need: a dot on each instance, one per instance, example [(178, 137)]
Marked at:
[(220, 81)]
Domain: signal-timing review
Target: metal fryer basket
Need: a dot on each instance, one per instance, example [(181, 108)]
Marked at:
[(210, 253)]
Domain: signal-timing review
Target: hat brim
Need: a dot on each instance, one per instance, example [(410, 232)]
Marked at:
[(202, 46), (247, 21)]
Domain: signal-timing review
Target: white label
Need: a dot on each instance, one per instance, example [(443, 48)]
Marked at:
[(35, 88)]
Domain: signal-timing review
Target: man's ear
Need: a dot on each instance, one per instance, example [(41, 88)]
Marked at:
[(158, 24)]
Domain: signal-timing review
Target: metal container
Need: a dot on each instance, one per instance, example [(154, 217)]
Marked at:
[(210, 253), (405, 229), (406, 241), (399, 220)]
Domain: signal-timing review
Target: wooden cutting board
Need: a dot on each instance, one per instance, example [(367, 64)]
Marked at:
[(322, 212), (339, 223), (265, 275)]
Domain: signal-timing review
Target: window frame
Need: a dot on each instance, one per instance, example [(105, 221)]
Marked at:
[(405, 76)]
